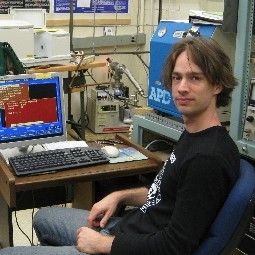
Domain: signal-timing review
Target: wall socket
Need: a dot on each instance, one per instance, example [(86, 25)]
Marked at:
[(108, 30)]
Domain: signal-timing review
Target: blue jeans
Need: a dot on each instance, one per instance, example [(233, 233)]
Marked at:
[(56, 229)]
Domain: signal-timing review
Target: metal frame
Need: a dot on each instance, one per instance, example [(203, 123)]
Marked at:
[(242, 73), (140, 123)]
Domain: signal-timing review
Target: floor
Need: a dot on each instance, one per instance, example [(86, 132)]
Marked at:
[(22, 227), (23, 236)]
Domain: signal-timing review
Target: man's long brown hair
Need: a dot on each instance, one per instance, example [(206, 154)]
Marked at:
[(212, 60)]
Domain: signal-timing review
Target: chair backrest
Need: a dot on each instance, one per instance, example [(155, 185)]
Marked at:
[(233, 218)]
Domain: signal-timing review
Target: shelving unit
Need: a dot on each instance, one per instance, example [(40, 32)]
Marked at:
[(242, 73)]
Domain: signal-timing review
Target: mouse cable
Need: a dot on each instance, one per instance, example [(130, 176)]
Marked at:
[(16, 218)]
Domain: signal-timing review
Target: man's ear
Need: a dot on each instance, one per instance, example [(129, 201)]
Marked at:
[(217, 89)]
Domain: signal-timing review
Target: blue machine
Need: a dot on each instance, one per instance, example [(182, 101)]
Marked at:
[(166, 35)]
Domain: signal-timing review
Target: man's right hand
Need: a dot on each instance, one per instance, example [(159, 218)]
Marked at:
[(103, 210)]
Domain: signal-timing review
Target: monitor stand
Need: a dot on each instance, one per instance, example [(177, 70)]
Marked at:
[(16, 151)]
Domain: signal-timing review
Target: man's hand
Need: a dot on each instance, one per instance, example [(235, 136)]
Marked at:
[(103, 210), (92, 242)]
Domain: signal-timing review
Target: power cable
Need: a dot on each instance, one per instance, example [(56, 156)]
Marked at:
[(16, 219), (160, 3), (71, 25)]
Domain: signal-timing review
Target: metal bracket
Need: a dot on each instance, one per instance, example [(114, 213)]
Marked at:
[(107, 41)]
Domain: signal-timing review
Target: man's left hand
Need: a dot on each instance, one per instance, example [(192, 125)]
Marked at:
[(92, 242)]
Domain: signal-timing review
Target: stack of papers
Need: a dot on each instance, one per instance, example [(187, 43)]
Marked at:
[(204, 17)]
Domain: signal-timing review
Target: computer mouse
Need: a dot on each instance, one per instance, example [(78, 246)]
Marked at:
[(111, 151)]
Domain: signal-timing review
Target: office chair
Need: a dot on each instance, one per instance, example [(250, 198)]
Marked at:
[(233, 219)]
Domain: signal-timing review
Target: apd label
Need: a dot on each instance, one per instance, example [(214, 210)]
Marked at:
[(160, 95)]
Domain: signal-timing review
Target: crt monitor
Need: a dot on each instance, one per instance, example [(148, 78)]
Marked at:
[(31, 110)]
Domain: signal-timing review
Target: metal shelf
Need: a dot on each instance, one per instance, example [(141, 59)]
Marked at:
[(242, 73)]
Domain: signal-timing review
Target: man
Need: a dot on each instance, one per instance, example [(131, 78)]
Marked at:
[(174, 215)]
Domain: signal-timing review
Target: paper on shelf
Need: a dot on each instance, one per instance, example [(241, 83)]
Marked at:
[(64, 145), (205, 17), (83, 3)]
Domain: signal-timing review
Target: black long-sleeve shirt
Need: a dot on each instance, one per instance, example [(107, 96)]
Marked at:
[(184, 198)]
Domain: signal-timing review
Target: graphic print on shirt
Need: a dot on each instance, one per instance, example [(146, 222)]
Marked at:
[(154, 193)]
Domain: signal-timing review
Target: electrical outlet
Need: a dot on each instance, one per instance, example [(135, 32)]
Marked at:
[(108, 30)]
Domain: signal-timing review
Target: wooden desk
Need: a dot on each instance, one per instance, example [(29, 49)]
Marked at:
[(11, 184), (66, 68)]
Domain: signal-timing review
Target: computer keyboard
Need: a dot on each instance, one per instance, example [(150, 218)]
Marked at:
[(56, 160)]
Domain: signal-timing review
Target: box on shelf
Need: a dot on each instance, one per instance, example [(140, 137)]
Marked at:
[(20, 35), (50, 46), (35, 16), (50, 43)]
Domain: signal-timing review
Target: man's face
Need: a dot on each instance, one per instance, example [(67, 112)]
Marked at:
[(192, 93)]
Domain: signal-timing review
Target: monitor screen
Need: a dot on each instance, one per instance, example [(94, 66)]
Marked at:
[(31, 110)]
